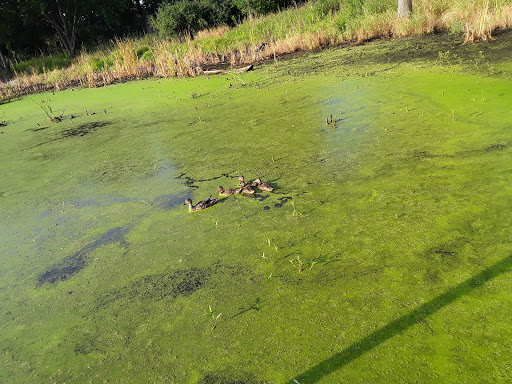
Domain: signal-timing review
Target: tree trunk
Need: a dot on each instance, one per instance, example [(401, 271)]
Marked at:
[(4, 62), (63, 21), (404, 8)]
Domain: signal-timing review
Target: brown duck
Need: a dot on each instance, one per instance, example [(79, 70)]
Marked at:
[(201, 205), (248, 190), (229, 191), (243, 183), (263, 186)]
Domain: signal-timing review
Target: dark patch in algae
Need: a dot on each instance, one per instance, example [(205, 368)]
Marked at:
[(80, 131), (421, 155), (84, 129), (190, 182), (182, 282), (229, 378), (448, 251), (75, 263)]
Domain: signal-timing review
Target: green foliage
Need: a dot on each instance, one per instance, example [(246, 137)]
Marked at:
[(262, 7), (323, 7), (456, 27), (352, 8), (97, 65), (348, 10), (141, 51), (147, 55), (188, 17), (42, 64)]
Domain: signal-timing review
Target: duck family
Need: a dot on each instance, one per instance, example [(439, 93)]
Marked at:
[(246, 187)]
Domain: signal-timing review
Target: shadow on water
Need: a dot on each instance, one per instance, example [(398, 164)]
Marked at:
[(229, 377), (254, 307), (173, 200), (77, 131), (73, 264), (84, 129), (357, 349)]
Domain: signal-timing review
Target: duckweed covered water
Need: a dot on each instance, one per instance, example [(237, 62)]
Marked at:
[(384, 254)]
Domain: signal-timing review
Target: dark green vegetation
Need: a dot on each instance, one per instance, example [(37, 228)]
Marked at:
[(35, 27), (176, 18), (383, 256)]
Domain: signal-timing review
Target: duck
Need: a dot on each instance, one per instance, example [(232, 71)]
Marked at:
[(201, 205), (248, 190), (229, 191), (243, 183), (264, 186)]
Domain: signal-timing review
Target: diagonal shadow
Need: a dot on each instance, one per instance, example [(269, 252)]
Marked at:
[(352, 352)]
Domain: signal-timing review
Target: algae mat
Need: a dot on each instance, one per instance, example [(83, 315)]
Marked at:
[(383, 255)]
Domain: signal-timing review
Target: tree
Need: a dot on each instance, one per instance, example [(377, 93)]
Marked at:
[(63, 17), (21, 32), (404, 8)]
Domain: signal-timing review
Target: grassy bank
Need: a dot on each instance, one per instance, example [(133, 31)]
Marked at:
[(313, 26)]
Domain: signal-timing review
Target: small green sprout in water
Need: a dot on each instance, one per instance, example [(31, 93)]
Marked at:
[(269, 277), (213, 316), (270, 244), (298, 263), (312, 264), (294, 210)]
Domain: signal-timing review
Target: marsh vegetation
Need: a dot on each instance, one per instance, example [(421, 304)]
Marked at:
[(255, 37)]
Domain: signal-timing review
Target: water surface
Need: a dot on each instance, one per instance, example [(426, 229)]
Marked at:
[(382, 256)]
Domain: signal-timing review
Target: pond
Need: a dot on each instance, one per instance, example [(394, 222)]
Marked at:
[(383, 255)]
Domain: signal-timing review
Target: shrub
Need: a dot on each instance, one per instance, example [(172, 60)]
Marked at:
[(188, 17), (102, 64), (41, 64)]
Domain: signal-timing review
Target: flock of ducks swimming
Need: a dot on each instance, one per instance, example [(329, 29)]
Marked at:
[(245, 187)]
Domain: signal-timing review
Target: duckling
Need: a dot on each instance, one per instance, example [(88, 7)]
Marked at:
[(243, 183), (248, 190), (201, 205), (264, 186), (229, 191)]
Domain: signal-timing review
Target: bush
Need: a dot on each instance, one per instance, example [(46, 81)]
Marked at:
[(99, 65), (41, 64), (184, 16)]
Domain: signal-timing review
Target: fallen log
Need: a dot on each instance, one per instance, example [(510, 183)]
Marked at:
[(222, 71)]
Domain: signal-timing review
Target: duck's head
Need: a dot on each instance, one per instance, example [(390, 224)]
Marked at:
[(188, 202), (220, 189), (241, 179), (257, 181)]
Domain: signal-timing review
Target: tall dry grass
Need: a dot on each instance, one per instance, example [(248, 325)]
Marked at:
[(262, 38)]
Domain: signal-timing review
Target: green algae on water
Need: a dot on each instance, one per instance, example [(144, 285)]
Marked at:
[(398, 214)]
